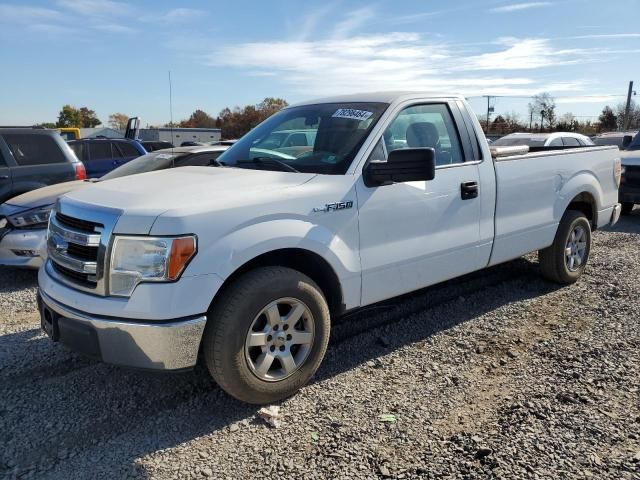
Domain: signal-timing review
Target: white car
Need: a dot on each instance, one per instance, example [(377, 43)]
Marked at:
[(537, 140), (246, 267)]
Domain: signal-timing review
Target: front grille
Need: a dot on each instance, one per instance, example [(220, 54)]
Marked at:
[(83, 279), (74, 247), (77, 223), (83, 252)]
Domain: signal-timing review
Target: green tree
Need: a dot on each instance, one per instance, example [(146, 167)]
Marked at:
[(88, 118), (199, 119), (69, 116), (608, 119), (46, 125), (235, 123)]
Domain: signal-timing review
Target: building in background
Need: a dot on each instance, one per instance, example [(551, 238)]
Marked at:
[(100, 132), (179, 135)]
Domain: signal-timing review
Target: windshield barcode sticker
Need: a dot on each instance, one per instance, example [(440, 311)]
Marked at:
[(352, 114)]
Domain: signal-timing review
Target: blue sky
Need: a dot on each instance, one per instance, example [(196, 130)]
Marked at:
[(115, 56)]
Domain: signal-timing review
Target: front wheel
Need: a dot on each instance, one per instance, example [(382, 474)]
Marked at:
[(267, 335), (565, 260), (626, 208)]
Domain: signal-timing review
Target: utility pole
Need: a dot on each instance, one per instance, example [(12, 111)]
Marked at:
[(489, 110), (625, 121), (531, 120)]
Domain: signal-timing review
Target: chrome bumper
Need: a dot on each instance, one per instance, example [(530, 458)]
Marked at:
[(168, 345), (615, 215)]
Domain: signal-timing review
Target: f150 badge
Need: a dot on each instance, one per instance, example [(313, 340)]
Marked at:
[(333, 207)]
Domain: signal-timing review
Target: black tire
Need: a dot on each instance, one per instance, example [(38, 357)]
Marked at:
[(552, 259), (233, 314), (627, 208)]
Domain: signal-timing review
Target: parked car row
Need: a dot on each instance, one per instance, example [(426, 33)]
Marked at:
[(23, 219)]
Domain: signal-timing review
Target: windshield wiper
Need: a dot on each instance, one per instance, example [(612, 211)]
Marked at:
[(269, 161)]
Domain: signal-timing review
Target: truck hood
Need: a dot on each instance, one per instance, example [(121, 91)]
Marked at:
[(630, 157), (44, 196), (187, 188)]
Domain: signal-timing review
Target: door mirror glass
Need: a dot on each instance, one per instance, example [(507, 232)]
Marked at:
[(403, 165), (626, 141)]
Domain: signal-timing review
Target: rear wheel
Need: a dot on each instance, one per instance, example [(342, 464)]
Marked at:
[(627, 208), (565, 260), (267, 335)]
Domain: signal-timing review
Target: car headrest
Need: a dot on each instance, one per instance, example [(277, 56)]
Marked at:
[(422, 134)]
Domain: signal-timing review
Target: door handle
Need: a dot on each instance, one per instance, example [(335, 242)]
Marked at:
[(4, 177), (468, 190)]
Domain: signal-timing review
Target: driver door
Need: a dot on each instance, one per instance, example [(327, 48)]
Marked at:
[(416, 234)]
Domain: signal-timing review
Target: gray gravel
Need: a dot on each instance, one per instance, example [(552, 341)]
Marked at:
[(497, 375)]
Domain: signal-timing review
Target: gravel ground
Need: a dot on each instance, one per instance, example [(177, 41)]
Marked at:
[(496, 375)]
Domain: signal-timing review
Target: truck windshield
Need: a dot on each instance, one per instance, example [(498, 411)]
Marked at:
[(322, 138)]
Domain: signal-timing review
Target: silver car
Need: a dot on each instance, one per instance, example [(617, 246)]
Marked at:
[(23, 219)]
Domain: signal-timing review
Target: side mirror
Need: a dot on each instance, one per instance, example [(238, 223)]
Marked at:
[(403, 165), (626, 141)]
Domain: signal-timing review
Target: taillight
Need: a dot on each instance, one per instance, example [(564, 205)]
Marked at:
[(81, 172), (617, 171)]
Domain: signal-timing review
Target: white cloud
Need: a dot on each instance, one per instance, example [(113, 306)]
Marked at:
[(515, 7), (590, 99), (404, 61), (523, 54), (174, 15), (605, 36), (353, 20), (95, 8), (114, 28)]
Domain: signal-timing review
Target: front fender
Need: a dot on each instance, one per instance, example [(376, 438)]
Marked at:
[(230, 252)]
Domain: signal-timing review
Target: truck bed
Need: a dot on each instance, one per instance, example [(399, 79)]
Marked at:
[(534, 189)]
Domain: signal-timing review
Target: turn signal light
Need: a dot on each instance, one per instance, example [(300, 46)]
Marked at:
[(182, 249)]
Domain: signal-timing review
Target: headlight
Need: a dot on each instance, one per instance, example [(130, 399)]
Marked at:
[(147, 259), (31, 218)]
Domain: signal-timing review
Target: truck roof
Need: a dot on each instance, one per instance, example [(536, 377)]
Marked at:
[(378, 97)]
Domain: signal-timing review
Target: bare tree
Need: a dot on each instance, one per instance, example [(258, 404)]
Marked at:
[(118, 121), (543, 106)]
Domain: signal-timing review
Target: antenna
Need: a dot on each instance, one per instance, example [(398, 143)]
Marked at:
[(171, 109)]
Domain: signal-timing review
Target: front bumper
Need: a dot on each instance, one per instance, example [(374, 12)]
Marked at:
[(23, 248), (166, 345)]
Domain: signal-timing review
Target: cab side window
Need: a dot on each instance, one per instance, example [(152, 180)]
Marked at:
[(423, 126)]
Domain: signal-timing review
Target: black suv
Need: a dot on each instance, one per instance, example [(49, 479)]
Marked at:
[(32, 158)]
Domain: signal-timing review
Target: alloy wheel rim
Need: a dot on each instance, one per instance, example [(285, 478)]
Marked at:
[(575, 250), (279, 339)]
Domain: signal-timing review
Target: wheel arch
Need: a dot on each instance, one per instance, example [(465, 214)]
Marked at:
[(585, 203), (583, 193), (305, 261)]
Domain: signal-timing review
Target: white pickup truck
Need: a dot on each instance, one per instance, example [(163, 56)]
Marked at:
[(243, 267)]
